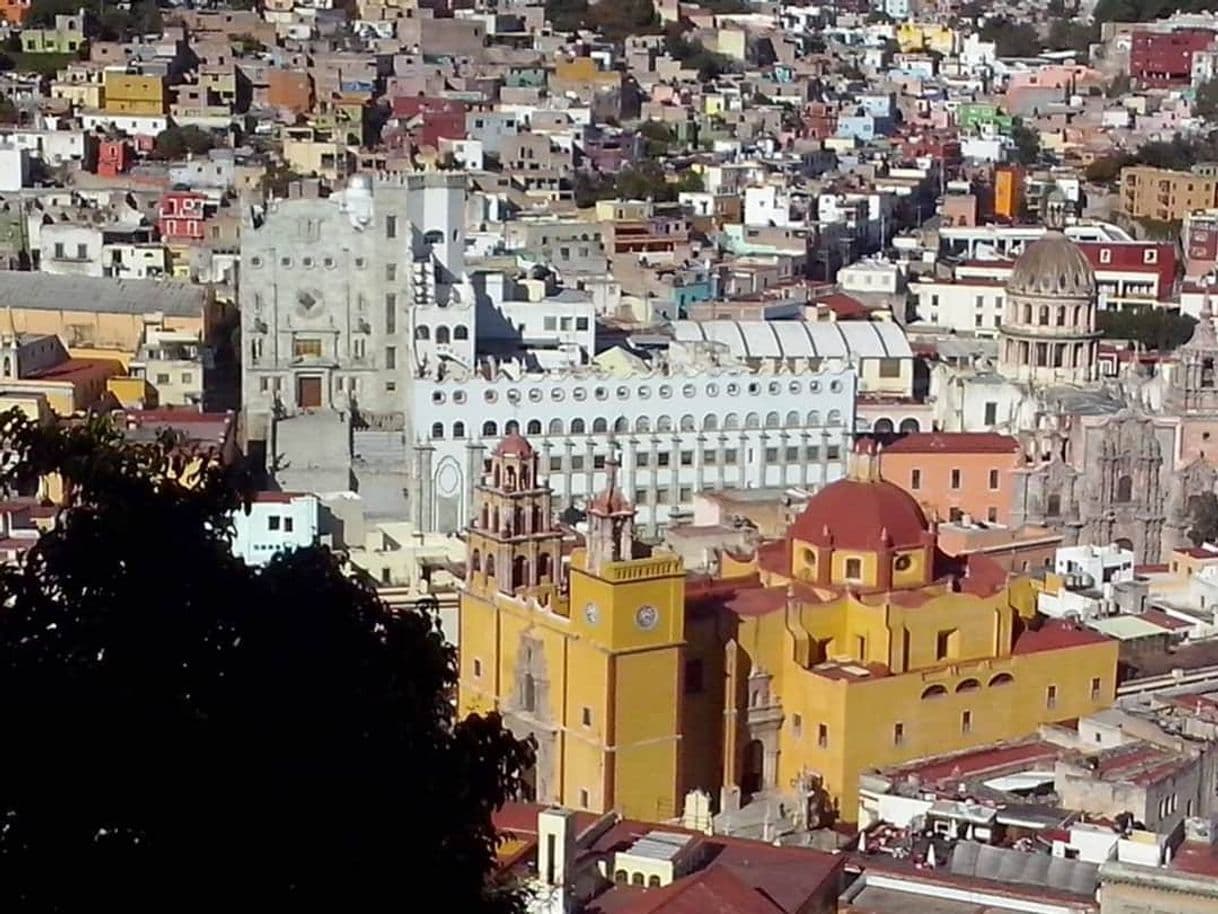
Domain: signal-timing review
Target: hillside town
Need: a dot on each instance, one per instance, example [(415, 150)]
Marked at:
[(800, 417)]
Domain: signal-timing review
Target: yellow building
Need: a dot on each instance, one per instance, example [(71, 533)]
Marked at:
[(129, 93), (916, 36), (852, 643), (590, 670)]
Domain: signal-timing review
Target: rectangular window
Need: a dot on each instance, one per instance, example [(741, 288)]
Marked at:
[(991, 413), (915, 479), (693, 676), (555, 464), (391, 313), (662, 495), (943, 644), (642, 460), (980, 301), (186, 377), (391, 357), (391, 226), (687, 458), (685, 495), (288, 524), (993, 480), (586, 716), (792, 455), (771, 455), (577, 462), (583, 799), (272, 522), (898, 734), (955, 479), (82, 251), (477, 668), (966, 722), (991, 515), (729, 455), (550, 323), (797, 725), (598, 461), (1095, 689), (564, 323), (822, 736), (709, 458), (890, 368), (59, 250), (581, 323), (162, 378), (306, 348), (833, 452), (1051, 697), (854, 569), (662, 458), (391, 272)]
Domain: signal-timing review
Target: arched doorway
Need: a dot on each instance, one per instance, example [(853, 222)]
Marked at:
[(1124, 543), (752, 777), (910, 426), (520, 566), (882, 426)]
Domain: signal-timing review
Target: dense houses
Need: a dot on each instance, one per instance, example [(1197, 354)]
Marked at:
[(801, 417)]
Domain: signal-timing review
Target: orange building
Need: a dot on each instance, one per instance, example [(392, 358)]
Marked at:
[(14, 11), (953, 474), (1008, 192), (289, 90)]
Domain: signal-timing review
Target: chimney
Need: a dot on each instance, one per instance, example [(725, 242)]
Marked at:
[(555, 847)]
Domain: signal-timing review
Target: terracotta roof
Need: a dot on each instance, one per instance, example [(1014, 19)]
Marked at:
[(856, 514), (714, 890), (844, 306), (514, 445), (1160, 618), (1055, 635), (953, 443)]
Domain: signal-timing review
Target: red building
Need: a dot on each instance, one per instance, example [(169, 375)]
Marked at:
[(14, 11), (1133, 269), (1166, 59), (428, 120), (113, 157), (181, 216)]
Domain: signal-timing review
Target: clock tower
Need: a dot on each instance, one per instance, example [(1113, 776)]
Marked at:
[(630, 616)]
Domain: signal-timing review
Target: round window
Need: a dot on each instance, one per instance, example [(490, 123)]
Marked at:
[(535, 394), (580, 394), (903, 563), (490, 396)]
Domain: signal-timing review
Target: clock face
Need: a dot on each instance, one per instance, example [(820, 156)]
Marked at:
[(592, 613), (646, 618)]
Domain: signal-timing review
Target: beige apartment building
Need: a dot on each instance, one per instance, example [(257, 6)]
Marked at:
[(1165, 195)]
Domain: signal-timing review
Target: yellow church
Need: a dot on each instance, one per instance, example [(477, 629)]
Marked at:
[(850, 644)]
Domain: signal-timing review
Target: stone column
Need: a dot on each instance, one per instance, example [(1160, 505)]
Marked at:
[(699, 462), (423, 509), (475, 457), (720, 450), (761, 459), (742, 459), (803, 458), (674, 468), (653, 464), (568, 493), (589, 468), (824, 456)]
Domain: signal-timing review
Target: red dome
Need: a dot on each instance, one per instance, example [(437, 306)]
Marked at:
[(514, 445), (856, 511)]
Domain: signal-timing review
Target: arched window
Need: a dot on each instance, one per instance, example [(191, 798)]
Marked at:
[(792, 419), (688, 424), (710, 422), (1042, 317), (512, 427), (835, 417), (653, 881), (422, 332), (442, 335), (520, 571), (556, 426), (752, 420), (731, 422), (814, 417), (935, 691), (1053, 505), (489, 429), (909, 426), (664, 424), (968, 685), (458, 429), (460, 332), (883, 426), (533, 427), (475, 561), (636, 879), (600, 426), (1002, 679), (772, 420), (437, 430), (490, 565), (545, 566), (578, 427), (642, 424), (528, 692), (621, 425), (1124, 492), (621, 877), (1027, 314)]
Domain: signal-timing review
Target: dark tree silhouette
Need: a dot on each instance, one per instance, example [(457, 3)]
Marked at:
[(182, 732), (1203, 514)]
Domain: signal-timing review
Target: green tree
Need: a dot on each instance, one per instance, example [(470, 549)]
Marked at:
[(658, 138), (1027, 143), (643, 180), (617, 20), (1067, 34), (1106, 169), (1155, 328), (194, 731), (176, 142), (1012, 39), (1203, 516), (566, 15), (1206, 103)]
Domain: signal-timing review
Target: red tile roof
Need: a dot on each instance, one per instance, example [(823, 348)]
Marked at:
[(1055, 635), (714, 890), (953, 443), (844, 306), (853, 513), (1162, 619)]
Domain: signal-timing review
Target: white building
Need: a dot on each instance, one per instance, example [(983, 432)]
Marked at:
[(960, 305), (275, 522), (1098, 564), (14, 167)]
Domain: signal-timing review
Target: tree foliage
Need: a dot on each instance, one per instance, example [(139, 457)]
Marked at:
[(1203, 516), (108, 21), (1027, 143), (183, 731), (1012, 39), (1148, 10), (176, 142), (1067, 34), (1206, 103), (1154, 328), (694, 55)]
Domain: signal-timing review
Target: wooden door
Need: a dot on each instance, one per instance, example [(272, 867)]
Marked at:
[(308, 391)]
